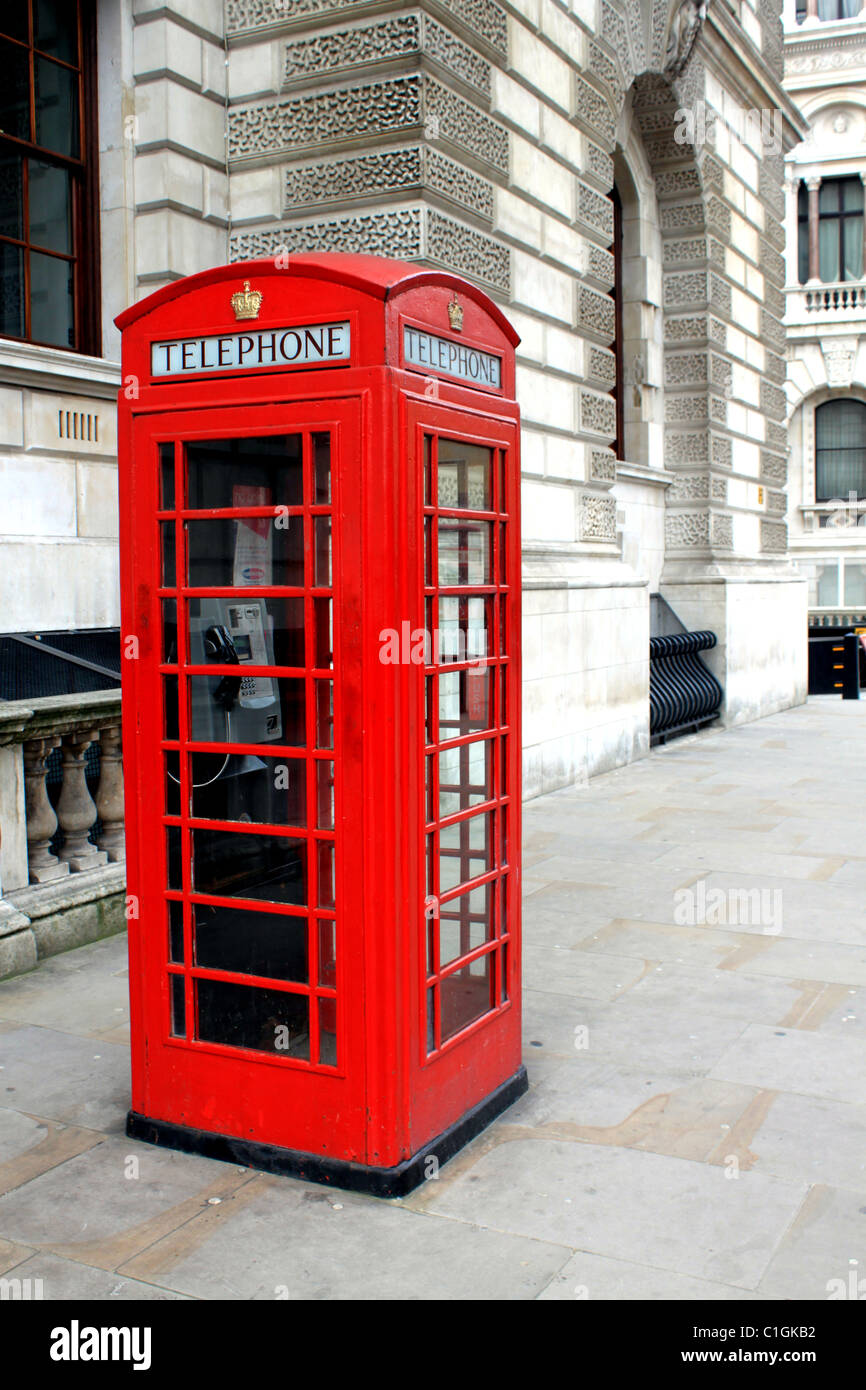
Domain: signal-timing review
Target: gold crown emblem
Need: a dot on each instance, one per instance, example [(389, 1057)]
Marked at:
[(455, 314), (246, 302)]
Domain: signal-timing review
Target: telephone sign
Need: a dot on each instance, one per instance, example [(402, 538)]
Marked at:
[(321, 566)]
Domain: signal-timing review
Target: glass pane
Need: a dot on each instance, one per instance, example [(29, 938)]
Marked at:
[(246, 942), (465, 476), (52, 317), (325, 795), (323, 655), (12, 196), (464, 629), (465, 777), (11, 291), (257, 472), (56, 95), (13, 19), (174, 875), (321, 469), (257, 631), (503, 974), (326, 875), (322, 553), (324, 714), (464, 552), (172, 783), (55, 30), (170, 706), (465, 923), (178, 1006), (465, 702), (328, 954), (262, 1020), (169, 630), (244, 787), (328, 1032), (254, 551), (465, 851), (166, 477), (269, 868), (167, 550), (220, 712), (828, 195), (50, 207), (465, 996), (175, 931), (852, 195), (14, 90)]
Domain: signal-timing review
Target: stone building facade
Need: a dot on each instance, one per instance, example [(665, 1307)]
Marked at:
[(484, 137), (825, 73)]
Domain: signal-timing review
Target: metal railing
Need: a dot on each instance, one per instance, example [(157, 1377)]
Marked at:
[(684, 694)]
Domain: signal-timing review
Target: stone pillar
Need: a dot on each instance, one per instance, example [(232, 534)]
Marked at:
[(792, 230), (41, 819), (813, 186), (109, 796), (863, 181), (76, 810), (811, 9)]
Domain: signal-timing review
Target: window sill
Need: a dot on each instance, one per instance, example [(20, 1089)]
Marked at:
[(25, 364)]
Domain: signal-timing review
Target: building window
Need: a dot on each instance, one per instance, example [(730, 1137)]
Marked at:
[(828, 9), (840, 231), (48, 217), (840, 450)]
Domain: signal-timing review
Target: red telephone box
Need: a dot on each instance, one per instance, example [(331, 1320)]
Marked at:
[(320, 552)]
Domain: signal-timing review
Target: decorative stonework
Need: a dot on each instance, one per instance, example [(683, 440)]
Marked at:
[(773, 401), (685, 368), (599, 165), (685, 287), (378, 108), (685, 448), (680, 217), (688, 487), (774, 468), (597, 413), (774, 537), (680, 329), (402, 36), (719, 489), (722, 452), (460, 248), (600, 264), (686, 530), (396, 233), (602, 366), (605, 70), (484, 17), (393, 171), (602, 466), (777, 503), (597, 518), (839, 356), (594, 110), (684, 28), (595, 210), (595, 312), (722, 531), (776, 435)]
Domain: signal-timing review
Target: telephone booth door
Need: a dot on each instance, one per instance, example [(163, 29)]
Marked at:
[(250, 704)]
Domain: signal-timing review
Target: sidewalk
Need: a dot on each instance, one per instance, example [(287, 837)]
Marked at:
[(696, 1123)]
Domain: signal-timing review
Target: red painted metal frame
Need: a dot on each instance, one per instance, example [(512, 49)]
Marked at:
[(388, 1095)]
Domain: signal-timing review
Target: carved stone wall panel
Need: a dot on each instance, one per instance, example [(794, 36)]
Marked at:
[(685, 368), (595, 210), (777, 503), (720, 295), (595, 312), (686, 409), (597, 413), (771, 262), (776, 435), (685, 448), (398, 233), (775, 367), (485, 18), (605, 69), (773, 401), (600, 264), (689, 487), (685, 287), (774, 537), (677, 183), (389, 107), (772, 331), (400, 36), (722, 452), (392, 171), (721, 373), (719, 217), (597, 518), (687, 530), (685, 327), (615, 33), (602, 366), (594, 111), (719, 489), (602, 466), (774, 468), (599, 165), (684, 251), (722, 531), (457, 247)]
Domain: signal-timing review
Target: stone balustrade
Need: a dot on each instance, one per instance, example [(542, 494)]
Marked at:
[(42, 875)]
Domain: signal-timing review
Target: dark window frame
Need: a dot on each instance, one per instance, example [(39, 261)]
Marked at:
[(823, 412), (618, 390), (84, 188), (839, 214)]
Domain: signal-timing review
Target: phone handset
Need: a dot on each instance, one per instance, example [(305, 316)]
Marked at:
[(247, 637)]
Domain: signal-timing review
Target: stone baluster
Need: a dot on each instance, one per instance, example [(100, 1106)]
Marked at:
[(41, 819), (75, 809), (109, 795)]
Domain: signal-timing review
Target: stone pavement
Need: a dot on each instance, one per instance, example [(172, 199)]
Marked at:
[(695, 1024)]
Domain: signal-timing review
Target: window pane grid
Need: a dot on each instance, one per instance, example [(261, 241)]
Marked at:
[(464, 593), (277, 904)]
